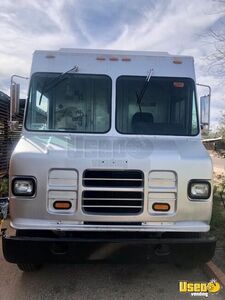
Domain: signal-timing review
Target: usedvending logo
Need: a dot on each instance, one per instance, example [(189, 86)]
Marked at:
[(201, 289)]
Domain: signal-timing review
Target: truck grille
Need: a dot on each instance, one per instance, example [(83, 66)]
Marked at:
[(111, 200)]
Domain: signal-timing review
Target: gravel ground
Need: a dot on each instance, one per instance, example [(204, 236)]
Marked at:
[(97, 282)]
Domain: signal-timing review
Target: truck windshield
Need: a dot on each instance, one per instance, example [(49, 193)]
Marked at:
[(78, 103), (168, 106)]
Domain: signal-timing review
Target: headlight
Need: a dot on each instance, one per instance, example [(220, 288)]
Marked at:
[(23, 186), (199, 189)]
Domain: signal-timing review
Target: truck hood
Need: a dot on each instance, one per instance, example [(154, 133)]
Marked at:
[(110, 147), (110, 151)]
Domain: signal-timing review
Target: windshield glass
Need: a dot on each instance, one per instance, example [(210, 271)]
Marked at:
[(168, 106), (77, 103)]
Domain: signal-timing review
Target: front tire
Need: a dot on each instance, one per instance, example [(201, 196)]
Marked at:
[(28, 267)]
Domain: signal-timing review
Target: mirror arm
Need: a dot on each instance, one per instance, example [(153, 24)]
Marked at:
[(207, 86), (17, 76)]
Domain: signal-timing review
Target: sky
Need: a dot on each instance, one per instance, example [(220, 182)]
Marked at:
[(175, 26)]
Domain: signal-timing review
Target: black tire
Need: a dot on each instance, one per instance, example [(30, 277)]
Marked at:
[(28, 267)]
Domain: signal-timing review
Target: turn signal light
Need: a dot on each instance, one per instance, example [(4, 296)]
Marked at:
[(161, 207), (62, 205)]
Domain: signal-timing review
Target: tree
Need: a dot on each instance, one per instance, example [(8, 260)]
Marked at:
[(216, 58), (221, 127)]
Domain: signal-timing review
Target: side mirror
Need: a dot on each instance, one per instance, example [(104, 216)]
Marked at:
[(205, 102), (14, 101), (205, 112), (14, 98)]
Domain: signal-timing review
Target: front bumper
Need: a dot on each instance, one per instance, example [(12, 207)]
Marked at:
[(39, 247)]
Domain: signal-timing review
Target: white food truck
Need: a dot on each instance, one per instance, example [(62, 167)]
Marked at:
[(110, 165)]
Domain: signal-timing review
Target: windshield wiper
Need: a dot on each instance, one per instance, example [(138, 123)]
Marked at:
[(144, 88), (55, 81)]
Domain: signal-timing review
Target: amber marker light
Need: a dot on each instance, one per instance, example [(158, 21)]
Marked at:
[(161, 207), (62, 205)]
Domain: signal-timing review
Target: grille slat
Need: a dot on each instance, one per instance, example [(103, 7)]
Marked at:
[(114, 206), (116, 199), (110, 200), (102, 178), (114, 179)]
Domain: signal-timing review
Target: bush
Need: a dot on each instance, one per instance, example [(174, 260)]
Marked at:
[(4, 187)]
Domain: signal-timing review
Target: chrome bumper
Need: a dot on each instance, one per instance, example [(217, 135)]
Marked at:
[(189, 226)]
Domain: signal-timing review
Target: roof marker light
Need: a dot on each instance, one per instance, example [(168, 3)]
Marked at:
[(177, 61), (178, 84), (113, 59), (50, 56), (126, 59), (100, 58)]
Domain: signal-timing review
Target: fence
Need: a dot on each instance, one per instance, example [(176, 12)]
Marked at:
[(8, 139), (4, 133)]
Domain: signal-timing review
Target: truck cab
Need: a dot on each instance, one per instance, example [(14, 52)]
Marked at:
[(110, 163)]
